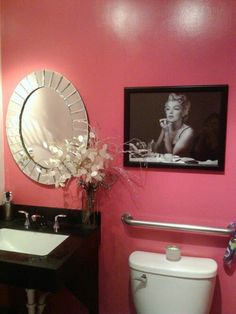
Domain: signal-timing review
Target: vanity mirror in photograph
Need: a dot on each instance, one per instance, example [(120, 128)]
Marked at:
[(45, 109)]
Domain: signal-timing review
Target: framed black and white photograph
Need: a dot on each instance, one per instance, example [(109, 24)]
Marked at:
[(175, 126)]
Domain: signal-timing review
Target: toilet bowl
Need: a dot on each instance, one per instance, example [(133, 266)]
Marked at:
[(162, 286)]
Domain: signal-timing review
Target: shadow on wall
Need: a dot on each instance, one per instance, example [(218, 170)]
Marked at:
[(131, 303), (216, 302), (64, 302)]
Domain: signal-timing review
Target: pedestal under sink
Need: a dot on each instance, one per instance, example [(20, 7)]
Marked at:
[(29, 242)]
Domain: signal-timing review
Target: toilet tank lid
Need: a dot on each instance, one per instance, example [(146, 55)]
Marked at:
[(187, 267)]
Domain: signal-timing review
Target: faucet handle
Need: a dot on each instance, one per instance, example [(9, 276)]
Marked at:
[(56, 223), (27, 222)]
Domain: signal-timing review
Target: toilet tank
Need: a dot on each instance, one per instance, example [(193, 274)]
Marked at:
[(160, 286)]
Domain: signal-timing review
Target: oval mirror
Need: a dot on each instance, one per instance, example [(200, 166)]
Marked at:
[(45, 108)]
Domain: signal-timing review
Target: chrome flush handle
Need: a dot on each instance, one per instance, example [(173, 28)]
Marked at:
[(142, 278)]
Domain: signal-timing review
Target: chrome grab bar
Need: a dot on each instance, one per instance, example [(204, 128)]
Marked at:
[(128, 219)]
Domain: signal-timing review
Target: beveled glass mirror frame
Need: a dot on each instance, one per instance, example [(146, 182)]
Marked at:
[(76, 110)]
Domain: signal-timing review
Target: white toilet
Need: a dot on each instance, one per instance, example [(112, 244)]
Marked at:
[(162, 286)]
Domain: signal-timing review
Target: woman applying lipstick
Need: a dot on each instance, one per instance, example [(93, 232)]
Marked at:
[(176, 136)]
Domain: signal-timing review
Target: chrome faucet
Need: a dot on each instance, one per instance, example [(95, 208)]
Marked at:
[(27, 222), (35, 217), (56, 225), (38, 221)]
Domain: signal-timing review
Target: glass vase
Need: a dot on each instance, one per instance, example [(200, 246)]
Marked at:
[(89, 206)]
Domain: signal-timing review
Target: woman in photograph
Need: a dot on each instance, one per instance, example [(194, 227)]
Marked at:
[(175, 137)]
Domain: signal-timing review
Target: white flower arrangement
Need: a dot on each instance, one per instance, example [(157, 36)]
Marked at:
[(88, 160)]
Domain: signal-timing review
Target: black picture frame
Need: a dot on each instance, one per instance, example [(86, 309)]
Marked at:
[(144, 107)]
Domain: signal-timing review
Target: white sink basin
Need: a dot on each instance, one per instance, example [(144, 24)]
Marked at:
[(29, 242)]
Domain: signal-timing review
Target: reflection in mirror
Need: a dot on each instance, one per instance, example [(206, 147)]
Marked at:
[(37, 130), (44, 109)]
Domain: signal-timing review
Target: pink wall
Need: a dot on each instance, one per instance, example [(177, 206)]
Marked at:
[(103, 46)]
